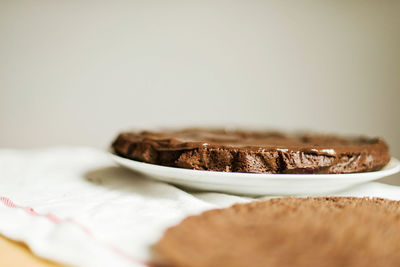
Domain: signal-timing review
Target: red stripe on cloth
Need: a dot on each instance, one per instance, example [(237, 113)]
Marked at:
[(8, 203)]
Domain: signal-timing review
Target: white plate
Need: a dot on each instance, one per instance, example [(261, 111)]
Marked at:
[(254, 183)]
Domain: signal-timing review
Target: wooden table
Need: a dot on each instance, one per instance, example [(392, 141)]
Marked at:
[(17, 254)]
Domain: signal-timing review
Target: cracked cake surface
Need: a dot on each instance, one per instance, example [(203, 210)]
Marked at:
[(253, 151)]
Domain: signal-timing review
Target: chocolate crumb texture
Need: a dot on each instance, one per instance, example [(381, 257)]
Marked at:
[(287, 232), (253, 151)]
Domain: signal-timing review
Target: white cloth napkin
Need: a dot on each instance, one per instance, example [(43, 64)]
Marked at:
[(75, 206)]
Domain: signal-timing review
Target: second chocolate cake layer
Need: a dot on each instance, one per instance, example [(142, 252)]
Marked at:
[(287, 232), (253, 152)]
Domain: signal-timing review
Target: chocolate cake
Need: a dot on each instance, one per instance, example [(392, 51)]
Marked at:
[(287, 232), (254, 152)]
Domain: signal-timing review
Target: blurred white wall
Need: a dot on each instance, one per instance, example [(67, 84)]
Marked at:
[(77, 72)]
